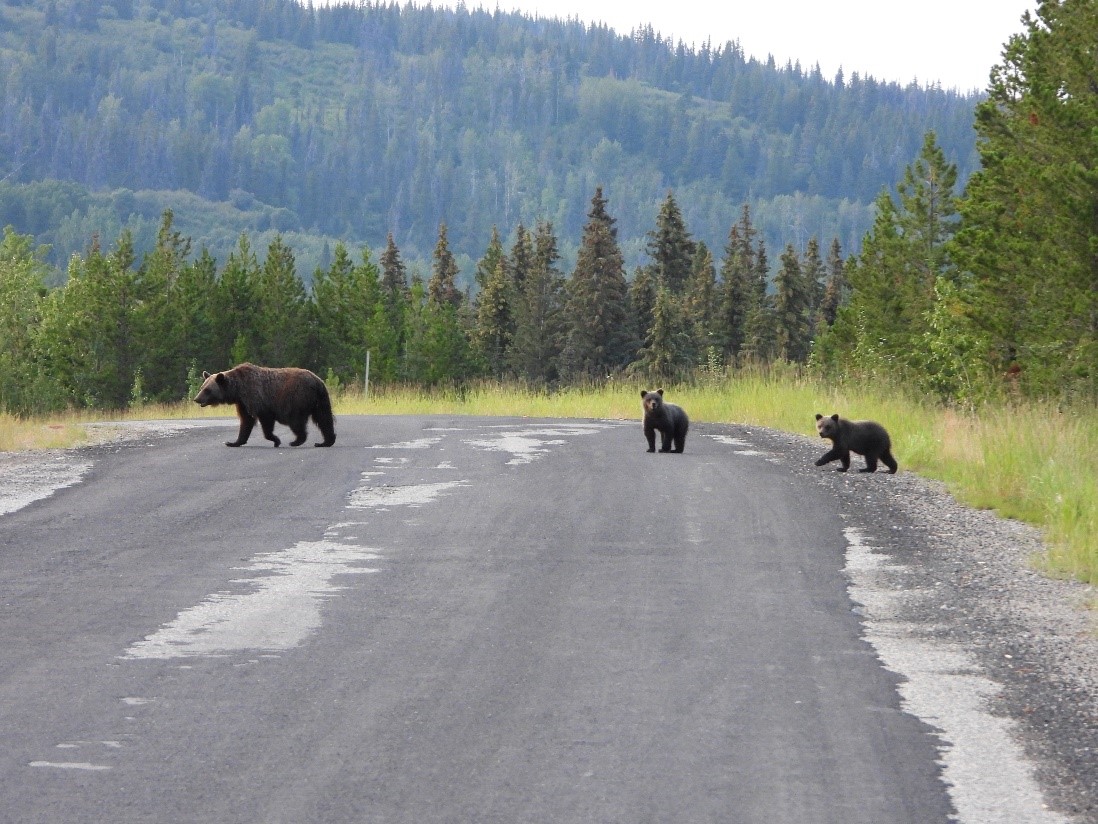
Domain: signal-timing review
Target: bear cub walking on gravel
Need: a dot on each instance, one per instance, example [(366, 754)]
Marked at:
[(670, 420), (287, 395), (866, 438)]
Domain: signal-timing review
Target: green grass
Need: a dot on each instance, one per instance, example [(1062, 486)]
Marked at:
[(1030, 461)]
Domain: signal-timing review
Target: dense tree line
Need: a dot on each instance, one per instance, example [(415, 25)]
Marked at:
[(356, 120), (121, 331), (994, 291)]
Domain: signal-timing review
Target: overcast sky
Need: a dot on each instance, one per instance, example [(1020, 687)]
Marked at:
[(952, 42)]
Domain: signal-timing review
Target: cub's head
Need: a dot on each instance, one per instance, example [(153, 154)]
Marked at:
[(653, 401), (214, 390), (827, 427)]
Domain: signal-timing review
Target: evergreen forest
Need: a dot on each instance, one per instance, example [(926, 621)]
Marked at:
[(965, 282)]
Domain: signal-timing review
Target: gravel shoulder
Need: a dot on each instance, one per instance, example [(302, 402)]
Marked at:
[(970, 580)]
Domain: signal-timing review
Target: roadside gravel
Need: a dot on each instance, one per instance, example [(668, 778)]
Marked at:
[(969, 579)]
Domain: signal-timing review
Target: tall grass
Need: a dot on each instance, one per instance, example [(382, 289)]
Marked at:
[(1030, 461)]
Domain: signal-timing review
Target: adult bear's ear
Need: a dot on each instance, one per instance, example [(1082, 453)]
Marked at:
[(221, 379), (835, 417), (205, 375), (818, 416)]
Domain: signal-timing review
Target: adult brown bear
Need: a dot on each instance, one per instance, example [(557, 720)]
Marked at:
[(289, 396)]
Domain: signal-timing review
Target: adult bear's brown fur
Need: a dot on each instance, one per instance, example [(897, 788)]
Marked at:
[(289, 396)]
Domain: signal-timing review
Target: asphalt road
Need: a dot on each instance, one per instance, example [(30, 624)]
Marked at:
[(444, 620)]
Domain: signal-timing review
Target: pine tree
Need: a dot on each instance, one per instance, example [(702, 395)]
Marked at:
[(22, 277), (739, 287), (792, 309), (442, 287), (671, 248), (539, 313), (282, 314), (836, 291), (345, 303), (234, 312), (1028, 269), (599, 341), (701, 302), (667, 351), (391, 318), (495, 327)]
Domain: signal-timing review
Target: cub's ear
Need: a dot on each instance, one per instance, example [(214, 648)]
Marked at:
[(659, 392), (819, 416), (644, 392), (205, 375), (835, 417)]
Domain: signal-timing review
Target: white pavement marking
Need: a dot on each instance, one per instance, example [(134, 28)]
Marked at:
[(25, 479), (278, 612), (71, 765), (413, 495), (419, 443), (984, 770), (530, 443)]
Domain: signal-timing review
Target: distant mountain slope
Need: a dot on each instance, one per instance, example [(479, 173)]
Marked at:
[(351, 121)]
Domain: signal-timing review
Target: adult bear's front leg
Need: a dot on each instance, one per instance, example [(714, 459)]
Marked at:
[(247, 422)]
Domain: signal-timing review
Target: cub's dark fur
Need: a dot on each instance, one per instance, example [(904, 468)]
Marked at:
[(863, 437), (289, 396), (666, 418)]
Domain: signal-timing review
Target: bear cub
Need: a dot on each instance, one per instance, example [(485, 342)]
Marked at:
[(866, 438), (666, 418), (289, 396)]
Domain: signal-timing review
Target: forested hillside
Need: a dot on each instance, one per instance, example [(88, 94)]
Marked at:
[(350, 122)]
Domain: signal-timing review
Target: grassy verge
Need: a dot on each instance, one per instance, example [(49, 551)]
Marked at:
[(1032, 462)]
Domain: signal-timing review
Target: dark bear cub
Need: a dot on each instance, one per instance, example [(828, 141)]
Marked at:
[(863, 437), (666, 418), (289, 396)]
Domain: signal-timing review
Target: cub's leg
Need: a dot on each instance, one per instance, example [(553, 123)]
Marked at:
[(650, 435), (890, 462), (665, 440), (870, 463)]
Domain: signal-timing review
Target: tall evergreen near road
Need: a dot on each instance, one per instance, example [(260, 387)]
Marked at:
[(671, 248), (895, 280), (1028, 248), (599, 339), (539, 313)]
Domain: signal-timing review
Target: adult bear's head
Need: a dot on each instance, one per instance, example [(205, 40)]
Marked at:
[(214, 391)]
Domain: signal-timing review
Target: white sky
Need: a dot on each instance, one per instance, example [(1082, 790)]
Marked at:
[(952, 42)]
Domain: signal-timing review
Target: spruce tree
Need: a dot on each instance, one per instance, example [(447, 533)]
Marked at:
[(738, 290), (495, 328), (671, 248), (599, 341), (539, 313), (442, 287), (792, 309)]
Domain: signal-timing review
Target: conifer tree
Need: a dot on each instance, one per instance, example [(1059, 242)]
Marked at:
[(667, 351), (282, 313), (599, 341), (22, 286), (1026, 253), (671, 248), (345, 303), (792, 309), (539, 321), (836, 291), (701, 302), (495, 327), (234, 313), (392, 316), (442, 287), (739, 287)]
